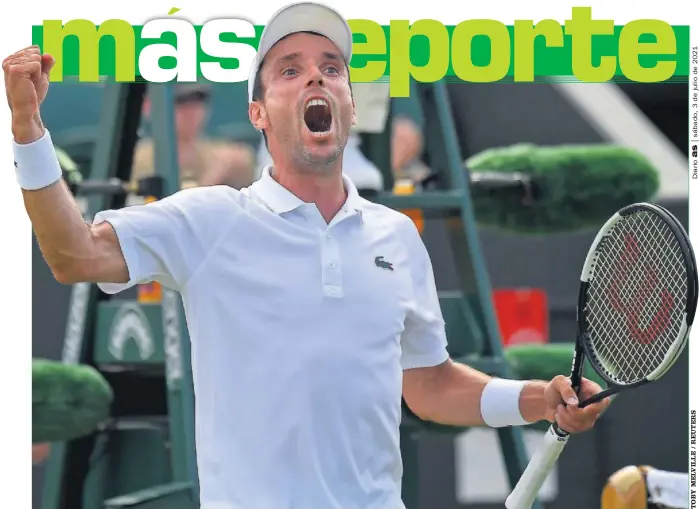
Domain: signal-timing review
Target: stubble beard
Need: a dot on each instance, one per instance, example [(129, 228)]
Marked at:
[(308, 162)]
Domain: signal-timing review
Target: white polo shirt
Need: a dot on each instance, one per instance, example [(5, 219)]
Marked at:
[(300, 331)]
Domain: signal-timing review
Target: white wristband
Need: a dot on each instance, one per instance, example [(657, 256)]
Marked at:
[(500, 403), (36, 163)]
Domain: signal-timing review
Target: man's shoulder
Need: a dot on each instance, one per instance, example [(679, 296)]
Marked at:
[(197, 204), (208, 197)]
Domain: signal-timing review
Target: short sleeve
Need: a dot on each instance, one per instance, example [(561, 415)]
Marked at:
[(165, 241), (424, 341)]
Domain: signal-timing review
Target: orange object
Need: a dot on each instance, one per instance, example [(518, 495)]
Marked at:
[(150, 293), (522, 315), (40, 452), (406, 186), (626, 489)]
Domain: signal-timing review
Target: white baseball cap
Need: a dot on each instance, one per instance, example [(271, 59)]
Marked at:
[(302, 17)]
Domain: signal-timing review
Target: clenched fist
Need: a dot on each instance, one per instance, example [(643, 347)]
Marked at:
[(562, 404), (26, 85)]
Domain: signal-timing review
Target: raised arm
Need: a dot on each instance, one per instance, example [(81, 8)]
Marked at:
[(74, 250)]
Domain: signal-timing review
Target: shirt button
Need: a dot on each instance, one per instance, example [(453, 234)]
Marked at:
[(329, 235), (332, 265)]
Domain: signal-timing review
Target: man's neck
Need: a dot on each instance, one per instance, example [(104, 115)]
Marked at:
[(326, 190)]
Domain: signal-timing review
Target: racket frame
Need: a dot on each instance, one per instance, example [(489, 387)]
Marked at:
[(690, 306), (525, 491)]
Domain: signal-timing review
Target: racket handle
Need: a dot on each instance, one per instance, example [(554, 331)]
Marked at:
[(538, 469)]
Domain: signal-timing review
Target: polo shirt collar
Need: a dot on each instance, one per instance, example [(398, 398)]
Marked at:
[(281, 200)]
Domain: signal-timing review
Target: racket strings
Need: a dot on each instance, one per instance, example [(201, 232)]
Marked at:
[(636, 297)]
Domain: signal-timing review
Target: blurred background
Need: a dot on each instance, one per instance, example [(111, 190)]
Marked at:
[(534, 277)]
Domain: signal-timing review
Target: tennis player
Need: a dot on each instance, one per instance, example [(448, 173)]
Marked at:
[(310, 310)]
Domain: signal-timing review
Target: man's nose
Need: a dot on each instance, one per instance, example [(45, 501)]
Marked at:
[(315, 77)]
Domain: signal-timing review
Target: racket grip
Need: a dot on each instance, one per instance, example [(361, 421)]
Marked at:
[(538, 469)]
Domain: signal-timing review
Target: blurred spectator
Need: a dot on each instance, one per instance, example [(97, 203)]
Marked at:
[(406, 149), (203, 161), (372, 103)]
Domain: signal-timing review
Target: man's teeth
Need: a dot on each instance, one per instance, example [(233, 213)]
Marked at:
[(317, 102)]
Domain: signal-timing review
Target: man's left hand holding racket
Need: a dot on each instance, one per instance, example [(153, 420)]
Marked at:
[(562, 404)]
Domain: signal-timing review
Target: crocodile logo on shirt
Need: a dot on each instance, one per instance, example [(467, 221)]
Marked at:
[(380, 262)]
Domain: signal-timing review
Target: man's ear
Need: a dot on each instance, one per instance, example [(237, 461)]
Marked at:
[(258, 115)]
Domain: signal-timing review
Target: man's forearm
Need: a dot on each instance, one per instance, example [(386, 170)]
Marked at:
[(456, 394), (532, 404)]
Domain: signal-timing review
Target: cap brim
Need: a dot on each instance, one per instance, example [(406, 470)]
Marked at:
[(302, 17)]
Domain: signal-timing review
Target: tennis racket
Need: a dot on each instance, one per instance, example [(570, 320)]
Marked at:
[(636, 305)]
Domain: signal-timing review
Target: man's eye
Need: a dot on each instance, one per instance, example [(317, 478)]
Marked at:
[(332, 69), (289, 72)]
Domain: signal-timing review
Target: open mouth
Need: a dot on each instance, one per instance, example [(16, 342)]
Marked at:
[(318, 116)]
